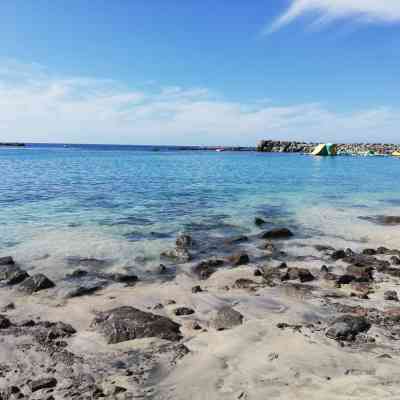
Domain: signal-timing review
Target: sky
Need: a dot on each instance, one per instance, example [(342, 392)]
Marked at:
[(191, 72)]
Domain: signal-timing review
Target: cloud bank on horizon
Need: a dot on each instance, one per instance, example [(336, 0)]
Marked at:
[(326, 11), (36, 106)]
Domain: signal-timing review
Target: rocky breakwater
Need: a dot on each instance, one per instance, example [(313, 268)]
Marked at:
[(278, 146)]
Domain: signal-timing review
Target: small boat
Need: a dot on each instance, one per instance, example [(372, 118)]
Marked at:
[(219, 150)]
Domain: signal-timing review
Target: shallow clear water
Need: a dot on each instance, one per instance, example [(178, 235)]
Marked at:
[(128, 203)]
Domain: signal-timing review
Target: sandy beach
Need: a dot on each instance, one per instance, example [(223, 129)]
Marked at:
[(277, 316)]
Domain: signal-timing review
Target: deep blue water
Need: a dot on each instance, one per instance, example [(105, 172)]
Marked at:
[(135, 194)]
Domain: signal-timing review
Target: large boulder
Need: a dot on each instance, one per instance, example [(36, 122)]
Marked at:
[(362, 274), (35, 283), (277, 233), (127, 323), (227, 318), (347, 327)]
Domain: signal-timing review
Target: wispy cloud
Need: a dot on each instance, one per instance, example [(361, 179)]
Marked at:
[(37, 106), (325, 11)]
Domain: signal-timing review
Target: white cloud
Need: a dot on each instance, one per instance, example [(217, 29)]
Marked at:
[(325, 11), (38, 107)]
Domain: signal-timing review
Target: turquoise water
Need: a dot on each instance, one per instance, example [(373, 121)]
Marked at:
[(123, 202)]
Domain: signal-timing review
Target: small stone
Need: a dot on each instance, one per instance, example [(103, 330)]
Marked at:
[(302, 274), (239, 259), (395, 260), (227, 318), (180, 311), (43, 383), (197, 289), (8, 307), (391, 295), (4, 322), (347, 327), (243, 283)]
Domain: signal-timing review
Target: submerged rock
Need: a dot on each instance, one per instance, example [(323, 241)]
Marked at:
[(127, 323), (236, 240), (347, 327), (395, 260), (301, 274), (243, 283), (258, 221), (86, 262), (278, 233), (36, 283), (227, 318), (4, 322)]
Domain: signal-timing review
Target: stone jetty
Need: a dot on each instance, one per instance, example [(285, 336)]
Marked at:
[(278, 146)]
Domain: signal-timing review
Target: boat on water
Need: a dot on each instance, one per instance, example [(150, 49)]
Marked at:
[(219, 150)]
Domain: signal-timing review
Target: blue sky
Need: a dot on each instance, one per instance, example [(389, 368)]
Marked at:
[(190, 72)]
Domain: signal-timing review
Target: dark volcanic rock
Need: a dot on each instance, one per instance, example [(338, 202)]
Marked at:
[(12, 274), (36, 283), (302, 274), (243, 283), (127, 323), (121, 278), (362, 274), (43, 383), (323, 248), (391, 295), (184, 241), (347, 327), (4, 322), (277, 233), (239, 259), (227, 318), (338, 255), (345, 279), (206, 268), (84, 290), (270, 273), (369, 252), (60, 330), (395, 260), (6, 261), (259, 221), (180, 311), (197, 289)]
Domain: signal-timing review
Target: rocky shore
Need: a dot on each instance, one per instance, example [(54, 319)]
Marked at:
[(275, 146), (241, 317)]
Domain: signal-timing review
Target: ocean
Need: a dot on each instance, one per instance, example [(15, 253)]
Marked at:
[(126, 204)]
